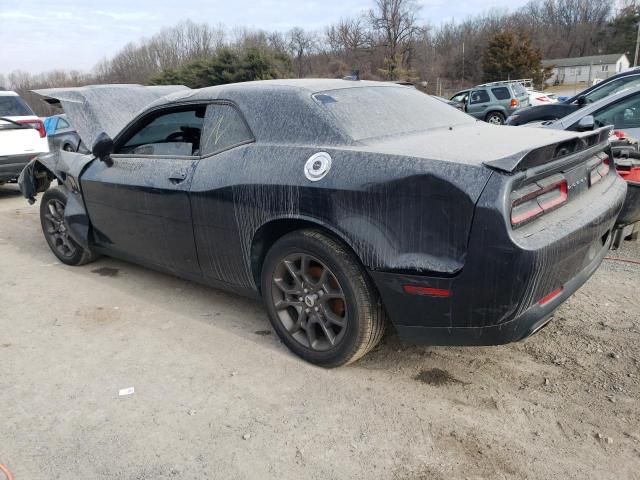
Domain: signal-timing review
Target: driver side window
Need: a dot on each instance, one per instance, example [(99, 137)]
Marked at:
[(174, 133)]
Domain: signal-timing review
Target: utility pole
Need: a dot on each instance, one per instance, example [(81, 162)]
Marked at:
[(635, 60), (462, 81)]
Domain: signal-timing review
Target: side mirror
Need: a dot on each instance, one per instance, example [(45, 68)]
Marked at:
[(586, 123), (582, 101), (103, 148)]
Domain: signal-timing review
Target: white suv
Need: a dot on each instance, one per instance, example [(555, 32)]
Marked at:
[(22, 136)]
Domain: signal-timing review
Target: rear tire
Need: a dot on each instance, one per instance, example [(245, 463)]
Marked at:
[(56, 231), (495, 118), (320, 300)]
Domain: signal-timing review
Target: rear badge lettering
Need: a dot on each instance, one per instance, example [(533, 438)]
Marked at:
[(576, 183), (317, 166)]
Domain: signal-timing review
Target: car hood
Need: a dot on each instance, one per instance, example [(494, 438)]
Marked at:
[(104, 108), (500, 147)]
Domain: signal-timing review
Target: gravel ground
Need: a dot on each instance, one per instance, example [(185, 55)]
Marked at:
[(217, 396)]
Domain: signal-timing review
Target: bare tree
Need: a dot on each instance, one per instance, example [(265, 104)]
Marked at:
[(301, 45), (396, 24), (348, 36)]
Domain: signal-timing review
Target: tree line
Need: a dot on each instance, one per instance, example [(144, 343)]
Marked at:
[(389, 41)]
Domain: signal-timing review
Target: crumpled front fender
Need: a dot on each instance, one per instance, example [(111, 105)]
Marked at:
[(66, 168)]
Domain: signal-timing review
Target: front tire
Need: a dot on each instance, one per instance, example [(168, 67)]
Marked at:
[(320, 300), (56, 231), (495, 118)]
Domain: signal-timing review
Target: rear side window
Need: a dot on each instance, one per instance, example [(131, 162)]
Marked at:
[(519, 89), (13, 106), (62, 124), (224, 128), (501, 93), (479, 96)]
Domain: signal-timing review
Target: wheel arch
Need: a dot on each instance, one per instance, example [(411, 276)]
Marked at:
[(274, 229), (66, 168)]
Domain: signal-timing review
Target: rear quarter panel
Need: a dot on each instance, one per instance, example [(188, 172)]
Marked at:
[(396, 213)]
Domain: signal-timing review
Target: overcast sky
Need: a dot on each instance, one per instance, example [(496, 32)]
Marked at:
[(40, 35)]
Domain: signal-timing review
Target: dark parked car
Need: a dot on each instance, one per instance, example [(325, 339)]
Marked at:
[(338, 202), (554, 111), (622, 111), (61, 135)]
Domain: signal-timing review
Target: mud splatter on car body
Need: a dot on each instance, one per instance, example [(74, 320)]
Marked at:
[(422, 194)]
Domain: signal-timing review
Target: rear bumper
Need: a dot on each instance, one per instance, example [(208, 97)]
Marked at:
[(523, 326), (496, 297), (12, 165)]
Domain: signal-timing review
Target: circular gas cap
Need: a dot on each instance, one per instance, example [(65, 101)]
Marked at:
[(317, 166)]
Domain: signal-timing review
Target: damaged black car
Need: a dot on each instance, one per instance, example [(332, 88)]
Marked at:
[(342, 204)]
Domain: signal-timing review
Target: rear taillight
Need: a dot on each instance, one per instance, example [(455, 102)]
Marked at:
[(37, 124), (598, 168), (532, 201), (514, 103), (619, 134)]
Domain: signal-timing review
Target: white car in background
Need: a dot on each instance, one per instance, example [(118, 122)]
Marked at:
[(540, 98), (22, 136)]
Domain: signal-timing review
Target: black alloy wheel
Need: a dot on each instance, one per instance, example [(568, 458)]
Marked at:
[(320, 299)]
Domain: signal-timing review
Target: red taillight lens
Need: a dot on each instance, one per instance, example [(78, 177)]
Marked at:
[(620, 134), (37, 124), (514, 103), (534, 200), (598, 169)]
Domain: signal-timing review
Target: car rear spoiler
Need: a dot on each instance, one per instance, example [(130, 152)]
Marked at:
[(581, 142), (94, 109)]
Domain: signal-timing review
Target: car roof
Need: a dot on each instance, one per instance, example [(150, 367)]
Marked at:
[(307, 85), (8, 93), (288, 104)]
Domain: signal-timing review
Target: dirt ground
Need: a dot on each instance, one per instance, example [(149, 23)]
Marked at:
[(217, 395)]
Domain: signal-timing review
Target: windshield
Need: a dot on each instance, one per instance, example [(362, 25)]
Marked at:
[(367, 112), (13, 106)]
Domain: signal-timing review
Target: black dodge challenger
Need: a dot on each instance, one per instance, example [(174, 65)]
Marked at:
[(340, 203)]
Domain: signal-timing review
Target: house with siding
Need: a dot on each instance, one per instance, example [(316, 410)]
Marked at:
[(585, 69)]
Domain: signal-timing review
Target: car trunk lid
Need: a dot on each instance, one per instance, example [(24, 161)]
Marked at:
[(506, 149)]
